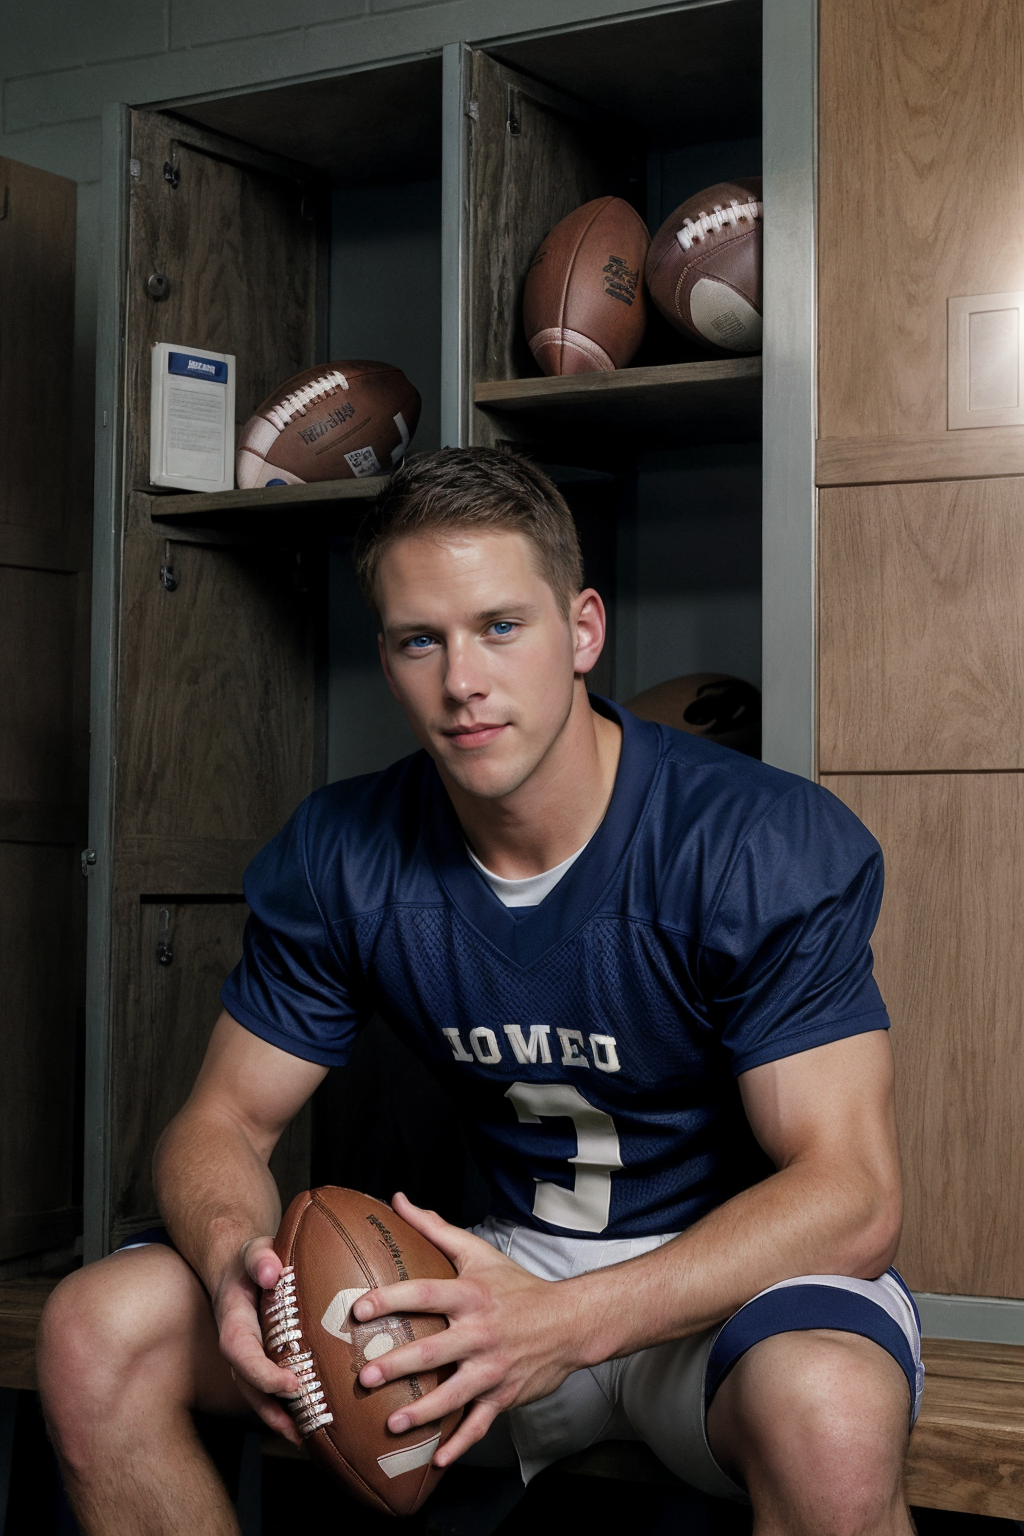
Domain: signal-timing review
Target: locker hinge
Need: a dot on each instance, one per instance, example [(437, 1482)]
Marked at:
[(473, 111), (88, 861)]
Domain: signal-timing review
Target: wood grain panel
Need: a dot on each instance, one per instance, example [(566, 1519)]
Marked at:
[(215, 695), (37, 676), (240, 258), (963, 455), (37, 268), (207, 866), (41, 906), (949, 949), (44, 658), (174, 1007), (921, 627), (522, 183), (921, 188)]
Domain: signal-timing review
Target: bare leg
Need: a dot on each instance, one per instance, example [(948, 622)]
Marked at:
[(127, 1348), (815, 1425)]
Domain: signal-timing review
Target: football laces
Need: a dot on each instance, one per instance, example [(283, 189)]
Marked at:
[(695, 230), (298, 402), (307, 1406)]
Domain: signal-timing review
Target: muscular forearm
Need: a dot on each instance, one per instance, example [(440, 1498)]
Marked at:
[(805, 1219), (215, 1190)]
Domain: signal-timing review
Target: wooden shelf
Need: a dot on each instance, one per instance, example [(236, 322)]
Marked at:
[(662, 406), (319, 506)]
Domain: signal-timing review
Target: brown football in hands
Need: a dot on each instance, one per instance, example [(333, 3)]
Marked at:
[(335, 1245), (704, 266), (584, 307), (337, 421)]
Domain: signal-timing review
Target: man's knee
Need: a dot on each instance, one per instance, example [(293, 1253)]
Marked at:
[(819, 1419), (109, 1332)]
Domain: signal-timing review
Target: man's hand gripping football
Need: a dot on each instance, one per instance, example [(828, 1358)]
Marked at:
[(510, 1334), (260, 1381)]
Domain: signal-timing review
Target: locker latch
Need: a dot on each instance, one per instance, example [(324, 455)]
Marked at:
[(164, 937), (168, 580)]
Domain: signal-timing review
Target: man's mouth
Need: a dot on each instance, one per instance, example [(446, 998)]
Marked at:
[(478, 734)]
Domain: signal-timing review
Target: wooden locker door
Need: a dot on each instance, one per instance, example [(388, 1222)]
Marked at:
[(214, 727), (216, 748), (921, 627), (229, 237), (44, 596), (949, 949), (534, 156)]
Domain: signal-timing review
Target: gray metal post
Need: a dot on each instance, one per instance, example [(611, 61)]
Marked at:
[(105, 598), (790, 388)]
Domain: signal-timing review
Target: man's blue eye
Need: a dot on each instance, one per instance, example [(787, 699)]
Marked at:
[(420, 642), (503, 627)]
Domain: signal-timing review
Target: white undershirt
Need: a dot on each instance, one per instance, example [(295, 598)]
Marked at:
[(531, 891)]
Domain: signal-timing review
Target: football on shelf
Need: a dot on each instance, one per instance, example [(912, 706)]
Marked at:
[(584, 307), (336, 1245), (725, 709), (704, 266), (333, 422)]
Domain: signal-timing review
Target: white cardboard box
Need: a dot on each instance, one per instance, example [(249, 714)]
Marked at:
[(192, 418)]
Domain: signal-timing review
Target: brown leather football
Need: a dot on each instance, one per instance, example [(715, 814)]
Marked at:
[(584, 306), (335, 1245), (704, 266), (333, 422), (727, 710)]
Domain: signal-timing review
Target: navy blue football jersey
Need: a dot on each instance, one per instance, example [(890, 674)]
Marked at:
[(719, 918)]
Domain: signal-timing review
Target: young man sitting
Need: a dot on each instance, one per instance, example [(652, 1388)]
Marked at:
[(640, 963)]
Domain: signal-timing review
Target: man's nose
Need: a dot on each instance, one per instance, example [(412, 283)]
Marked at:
[(465, 677)]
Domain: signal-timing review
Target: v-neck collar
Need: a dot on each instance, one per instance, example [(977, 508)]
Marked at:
[(527, 933)]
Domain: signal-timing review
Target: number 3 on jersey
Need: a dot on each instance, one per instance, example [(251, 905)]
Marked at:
[(586, 1206)]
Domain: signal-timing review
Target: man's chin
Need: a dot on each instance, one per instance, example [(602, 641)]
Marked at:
[(485, 780)]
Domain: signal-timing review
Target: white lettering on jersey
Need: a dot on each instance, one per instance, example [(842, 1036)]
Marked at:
[(485, 1046), (585, 1207), (573, 1051), (458, 1049), (609, 1061), (529, 1052), (535, 1049)]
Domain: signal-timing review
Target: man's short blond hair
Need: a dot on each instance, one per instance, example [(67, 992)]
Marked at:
[(473, 488)]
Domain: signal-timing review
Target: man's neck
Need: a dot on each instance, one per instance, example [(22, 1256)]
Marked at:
[(557, 809)]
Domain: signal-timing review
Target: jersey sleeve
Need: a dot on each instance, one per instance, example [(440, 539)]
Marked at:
[(292, 986), (787, 948)]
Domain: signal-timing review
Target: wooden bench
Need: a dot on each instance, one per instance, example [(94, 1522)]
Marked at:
[(966, 1452), (21, 1306)]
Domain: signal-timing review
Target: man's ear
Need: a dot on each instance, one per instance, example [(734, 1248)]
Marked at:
[(382, 652), (590, 623)]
